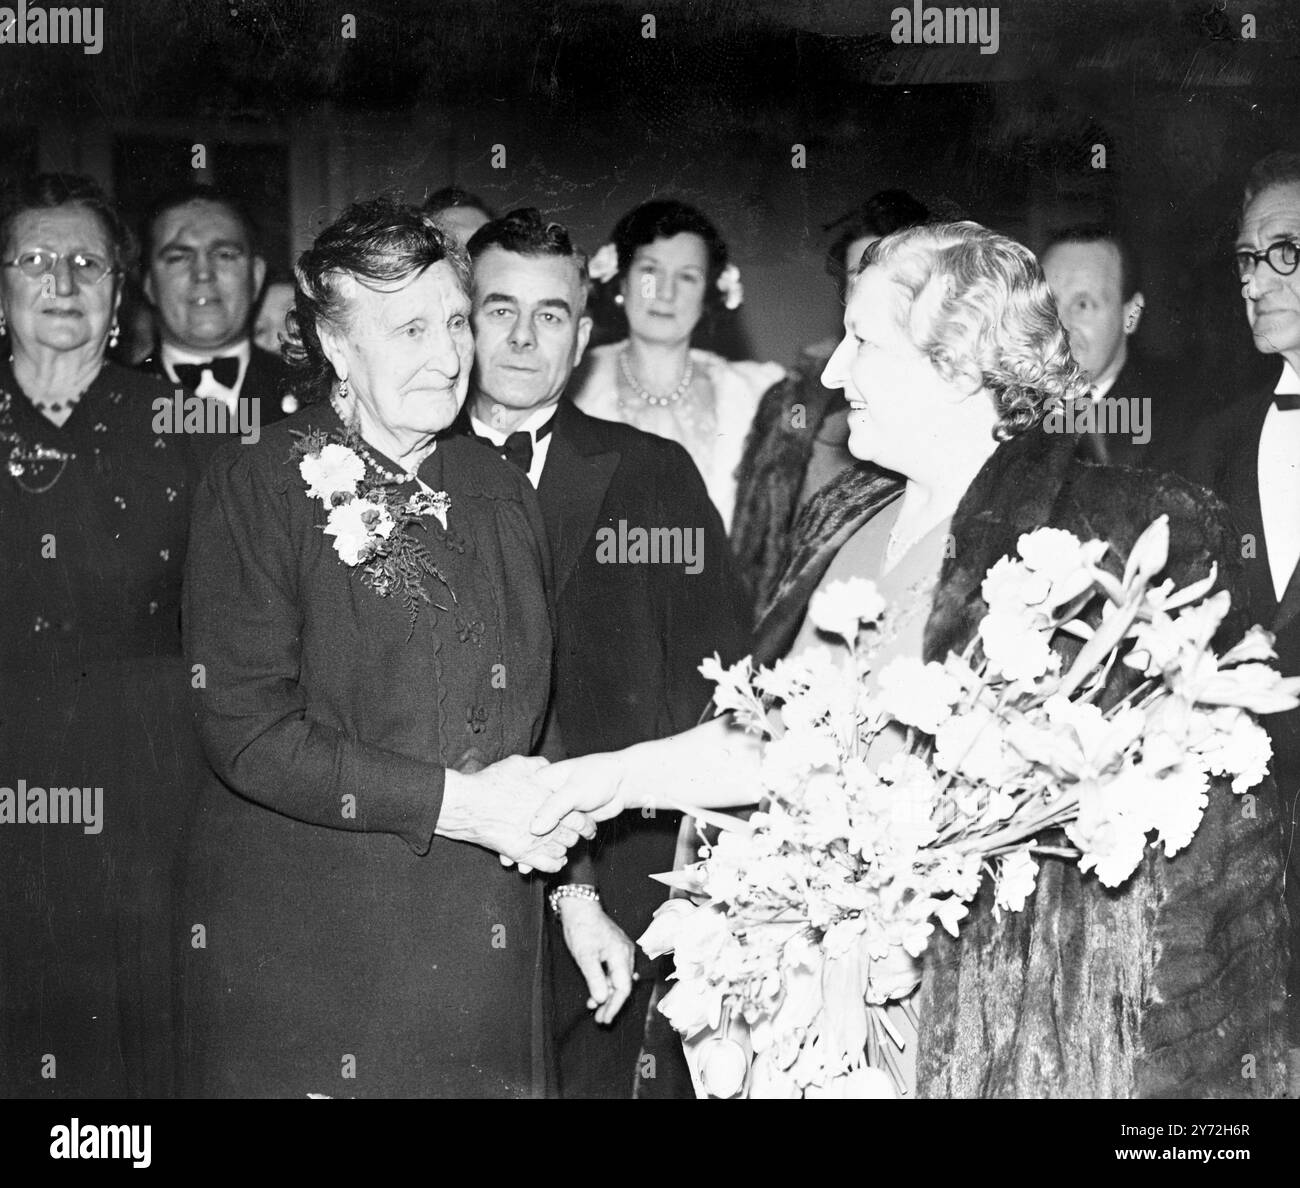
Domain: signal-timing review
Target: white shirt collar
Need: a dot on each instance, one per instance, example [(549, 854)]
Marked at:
[(530, 424), (1288, 383)]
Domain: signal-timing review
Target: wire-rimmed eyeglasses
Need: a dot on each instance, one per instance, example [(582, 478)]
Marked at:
[(87, 268)]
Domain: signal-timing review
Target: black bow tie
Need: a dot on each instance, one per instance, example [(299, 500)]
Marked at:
[(224, 368), (1287, 401), (517, 449)]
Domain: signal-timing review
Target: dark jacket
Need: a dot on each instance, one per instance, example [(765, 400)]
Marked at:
[(630, 638), (1223, 455), (1146, 394), (267, 379)]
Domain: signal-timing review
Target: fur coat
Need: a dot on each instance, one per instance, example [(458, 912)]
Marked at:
[(1171, 985)]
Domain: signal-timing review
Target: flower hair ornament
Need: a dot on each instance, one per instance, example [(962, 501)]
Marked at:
[(603, 266), (733, 292)]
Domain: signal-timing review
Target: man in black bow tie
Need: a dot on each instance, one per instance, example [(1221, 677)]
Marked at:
[(202, 275), (631, 633), (1250, 454)]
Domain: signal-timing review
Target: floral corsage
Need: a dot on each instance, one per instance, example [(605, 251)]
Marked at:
[(371, 522)]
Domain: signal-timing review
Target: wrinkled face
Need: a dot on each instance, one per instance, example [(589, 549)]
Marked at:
[(529, 329), (460, 222), (406, 351), (56, 310), (276, 304), (202, 276), (898, 403), (1087, 281), (1272, 301), (663, 291)]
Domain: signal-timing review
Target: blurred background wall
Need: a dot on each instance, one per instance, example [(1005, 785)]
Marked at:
[(594, 117)]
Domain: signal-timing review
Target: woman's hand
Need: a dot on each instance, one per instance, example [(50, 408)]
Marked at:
[(602, 951), (493, 808), (593, 785)]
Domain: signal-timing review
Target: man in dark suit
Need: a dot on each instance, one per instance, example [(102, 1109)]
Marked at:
[(1249, 453), (645, 589), (1093, 274), (202, 274)]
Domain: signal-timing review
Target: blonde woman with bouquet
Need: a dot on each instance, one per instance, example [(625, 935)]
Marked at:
[(1158, 985)]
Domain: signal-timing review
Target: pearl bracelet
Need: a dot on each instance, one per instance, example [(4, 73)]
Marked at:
[(573, 891)]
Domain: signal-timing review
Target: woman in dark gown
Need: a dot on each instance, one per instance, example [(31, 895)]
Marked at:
[(353, 930), (1159, 988), (94, 509)]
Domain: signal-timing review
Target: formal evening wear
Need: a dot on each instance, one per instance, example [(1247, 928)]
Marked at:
[(1237, 454), (348, 950), (630, 638), (713, 431), (92, 697), (1154, 990), (526, 446), (1142, 414), (264, 391)]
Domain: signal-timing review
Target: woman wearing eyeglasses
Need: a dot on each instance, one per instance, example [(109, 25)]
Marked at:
[(94, 743)]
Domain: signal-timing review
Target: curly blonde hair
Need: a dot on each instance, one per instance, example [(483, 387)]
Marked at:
[(979, 307)]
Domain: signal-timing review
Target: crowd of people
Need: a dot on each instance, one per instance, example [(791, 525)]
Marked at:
[(382, 779)]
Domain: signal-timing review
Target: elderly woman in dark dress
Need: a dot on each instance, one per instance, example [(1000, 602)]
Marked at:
[(94, 511), (354, 932)]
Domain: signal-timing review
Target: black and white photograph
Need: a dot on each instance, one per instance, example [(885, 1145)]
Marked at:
[(618, 550)]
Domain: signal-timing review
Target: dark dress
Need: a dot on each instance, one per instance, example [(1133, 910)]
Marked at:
[(92, 695), (335, 945)]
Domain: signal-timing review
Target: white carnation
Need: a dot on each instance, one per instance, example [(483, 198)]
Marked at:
[(354, 526), (917, 694), (335, 469), (841, 607)]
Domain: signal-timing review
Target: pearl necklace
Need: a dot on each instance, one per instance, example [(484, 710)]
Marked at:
[(354, 432), (649, 397)]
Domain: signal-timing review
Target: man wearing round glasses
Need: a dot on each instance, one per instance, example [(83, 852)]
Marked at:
[(1250, 454)]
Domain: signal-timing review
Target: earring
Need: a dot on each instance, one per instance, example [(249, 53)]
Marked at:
[(2, 324), (618, 298), (343, 390), (113, 335)]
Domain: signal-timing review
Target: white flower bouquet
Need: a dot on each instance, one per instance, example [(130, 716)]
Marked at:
[(888, 796)]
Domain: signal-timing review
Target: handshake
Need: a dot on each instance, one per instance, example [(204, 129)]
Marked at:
[(531, 812)]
